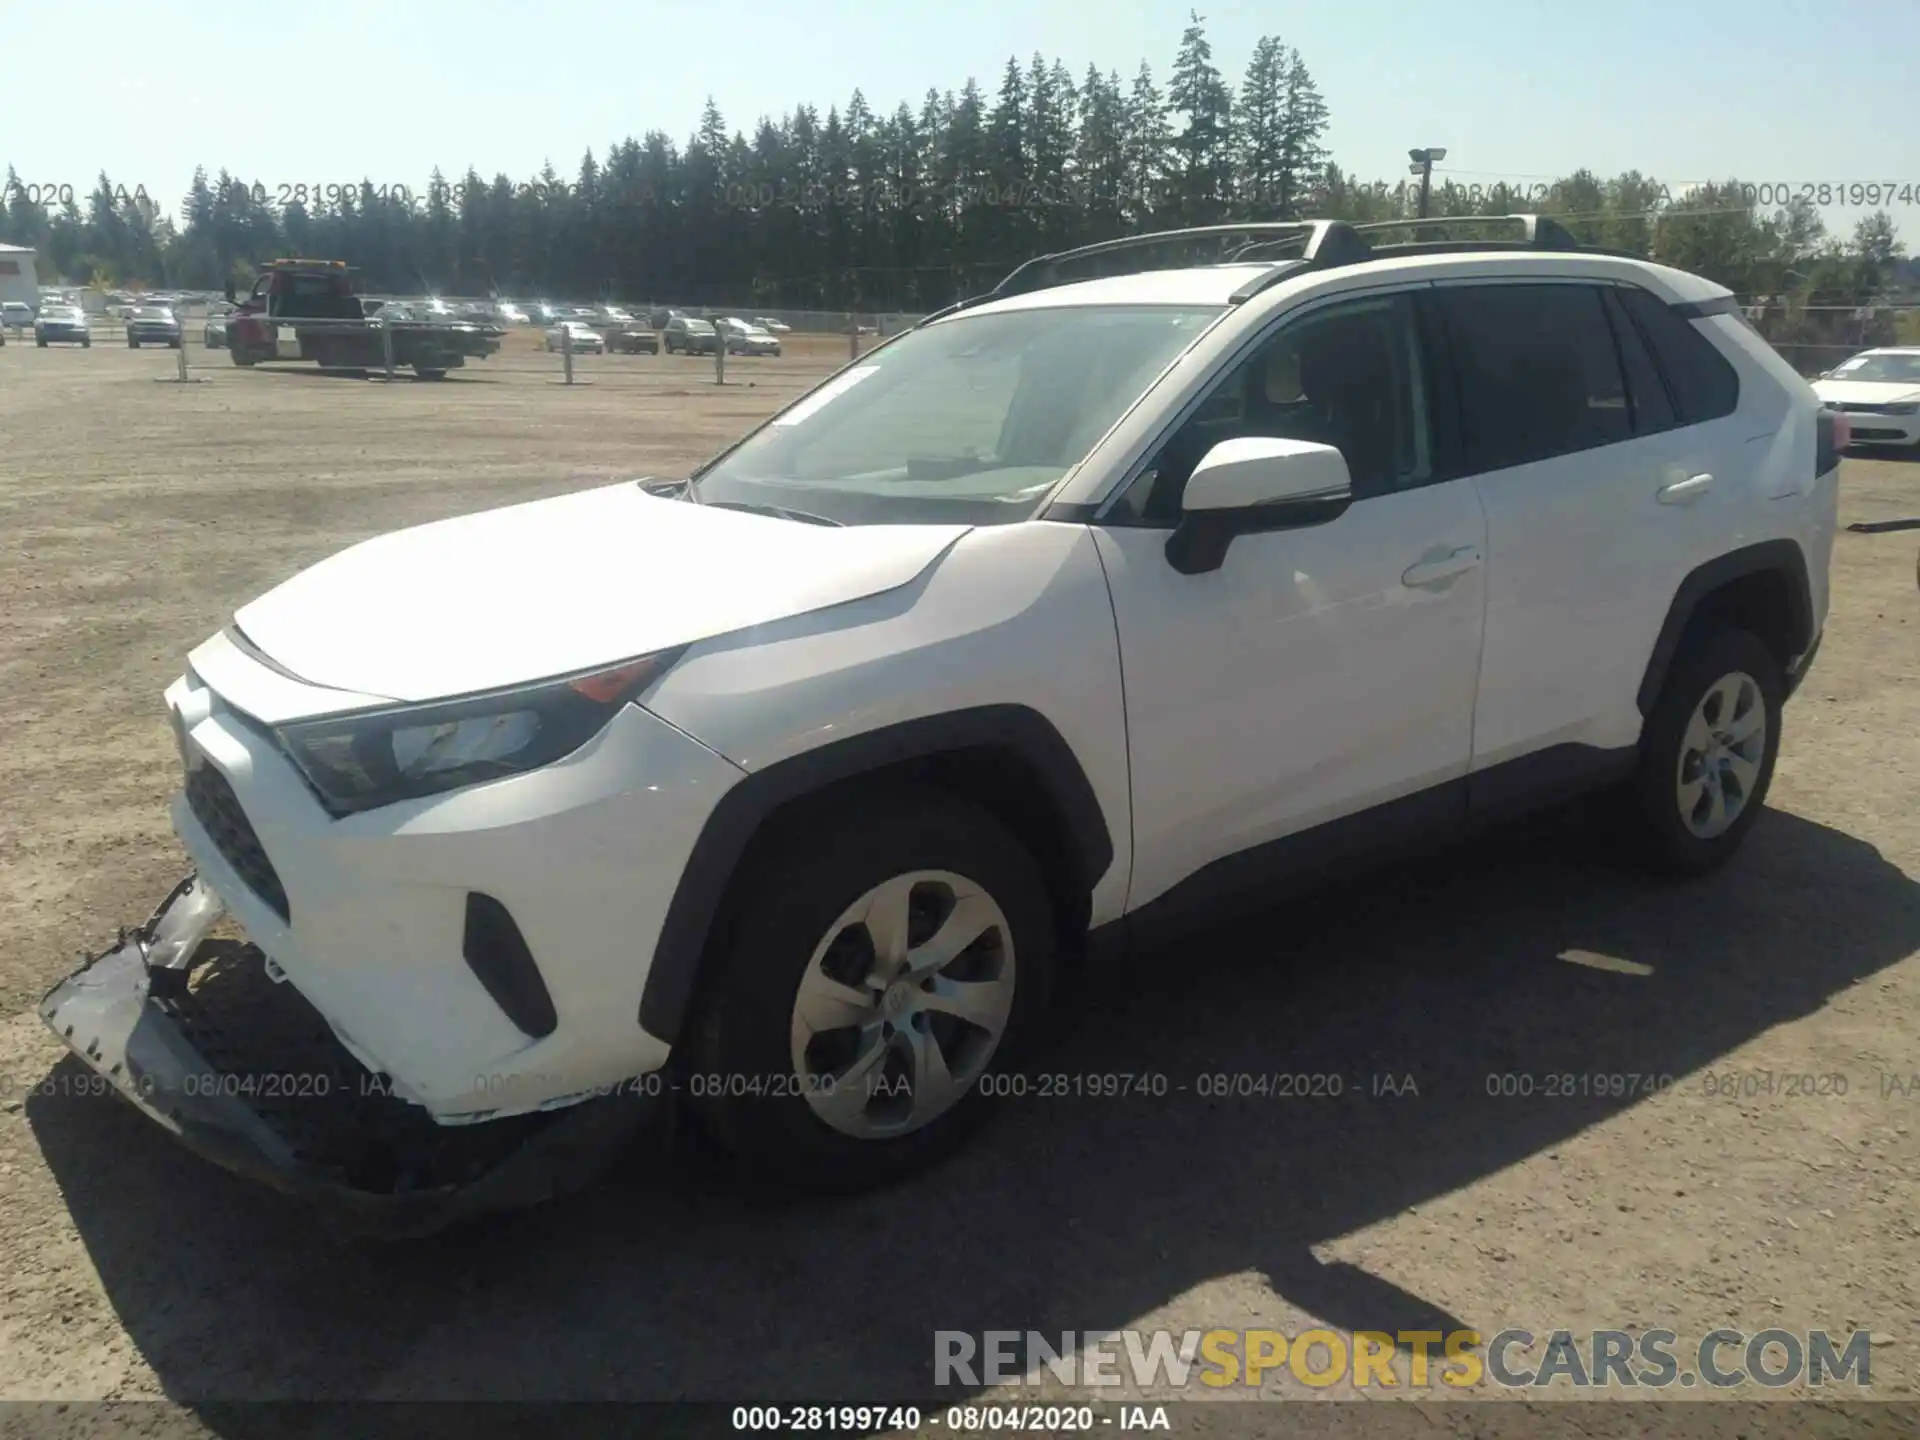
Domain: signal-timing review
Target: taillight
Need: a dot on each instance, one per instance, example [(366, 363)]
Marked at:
[(1832, 432)]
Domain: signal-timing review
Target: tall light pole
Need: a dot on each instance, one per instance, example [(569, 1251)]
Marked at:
[(1423, 162)]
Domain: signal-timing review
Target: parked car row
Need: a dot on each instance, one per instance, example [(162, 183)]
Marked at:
[(153, 319), (690, 335)]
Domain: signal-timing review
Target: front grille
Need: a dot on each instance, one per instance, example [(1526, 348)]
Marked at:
[(1868, 432), (1862, 407), (216, 807)]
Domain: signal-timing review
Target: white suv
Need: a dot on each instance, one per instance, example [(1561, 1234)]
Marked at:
[(1073, 612)]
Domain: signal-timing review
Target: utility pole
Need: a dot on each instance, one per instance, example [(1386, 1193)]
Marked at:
[(1423, 162)]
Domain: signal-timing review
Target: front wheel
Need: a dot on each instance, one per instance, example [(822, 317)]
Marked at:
[(888, 957), (1707, 752)]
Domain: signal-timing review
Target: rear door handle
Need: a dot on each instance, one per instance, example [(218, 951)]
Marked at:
[(1684, 492), (1430, 574)]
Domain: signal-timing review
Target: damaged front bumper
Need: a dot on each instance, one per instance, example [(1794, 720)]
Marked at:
[(205, 1038)]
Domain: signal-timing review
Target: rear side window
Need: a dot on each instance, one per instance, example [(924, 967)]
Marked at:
[(1539, 374), (1704, 385), (1647, 395)]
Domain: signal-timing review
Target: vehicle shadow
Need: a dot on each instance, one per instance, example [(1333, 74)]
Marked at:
[(1903, 454), (361, 374), (1069, 1213)]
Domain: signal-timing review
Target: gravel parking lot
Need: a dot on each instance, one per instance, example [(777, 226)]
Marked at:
[(137, 514)]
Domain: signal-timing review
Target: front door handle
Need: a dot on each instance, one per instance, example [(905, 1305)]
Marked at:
[(1684, 492), (1430, 574)]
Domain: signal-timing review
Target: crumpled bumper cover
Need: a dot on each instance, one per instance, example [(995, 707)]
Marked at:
[(204, 1039)]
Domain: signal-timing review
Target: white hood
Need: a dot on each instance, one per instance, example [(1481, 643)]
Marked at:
[(557, 586), (1867, 392)]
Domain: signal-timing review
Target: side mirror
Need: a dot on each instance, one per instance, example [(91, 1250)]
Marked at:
[(1255, 484)]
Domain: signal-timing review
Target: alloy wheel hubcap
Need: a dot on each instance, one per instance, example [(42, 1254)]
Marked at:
[(1720, 755), (903, 1004)]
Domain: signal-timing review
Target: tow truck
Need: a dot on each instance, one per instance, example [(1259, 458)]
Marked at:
[(316, 300)]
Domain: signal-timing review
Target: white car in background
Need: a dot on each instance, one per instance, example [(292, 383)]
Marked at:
[(1075, 614), (16, 315), (746, 338), (1879, 392), (577, 336)]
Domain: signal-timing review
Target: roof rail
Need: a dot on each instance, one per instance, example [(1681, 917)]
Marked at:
[(1321, 242), (1537, 232)]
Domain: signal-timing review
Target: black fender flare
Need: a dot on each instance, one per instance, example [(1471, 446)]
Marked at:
[(742, 811), (1782, 556)]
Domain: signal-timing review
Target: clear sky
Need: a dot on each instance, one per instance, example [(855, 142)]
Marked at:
[(300, 91)]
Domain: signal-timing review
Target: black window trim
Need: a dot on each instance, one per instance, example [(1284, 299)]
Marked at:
[(1101, 512)]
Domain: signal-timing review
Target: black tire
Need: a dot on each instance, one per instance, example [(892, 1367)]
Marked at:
[(132, 344), (87, 344), (1666, 843), (792, 889), (428, 374)]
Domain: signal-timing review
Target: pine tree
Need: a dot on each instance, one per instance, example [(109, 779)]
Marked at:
[(1258, 132), (1144, 138), (1303, 121), (1198, 94)]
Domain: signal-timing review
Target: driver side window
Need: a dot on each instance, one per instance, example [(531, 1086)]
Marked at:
[(1347, 375)]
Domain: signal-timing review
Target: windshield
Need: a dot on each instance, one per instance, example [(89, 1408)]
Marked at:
[(1897, 368), (969, 421)]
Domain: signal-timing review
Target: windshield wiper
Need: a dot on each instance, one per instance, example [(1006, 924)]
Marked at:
[(780, 511)]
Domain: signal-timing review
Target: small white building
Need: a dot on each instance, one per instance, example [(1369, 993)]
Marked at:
[(18, 279)]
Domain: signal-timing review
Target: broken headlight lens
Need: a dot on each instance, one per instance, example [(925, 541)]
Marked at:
[(377, 757)]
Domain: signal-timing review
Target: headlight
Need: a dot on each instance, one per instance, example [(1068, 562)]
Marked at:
[(377, 757)]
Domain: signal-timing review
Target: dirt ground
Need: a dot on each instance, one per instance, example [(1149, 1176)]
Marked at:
[(136, 514)]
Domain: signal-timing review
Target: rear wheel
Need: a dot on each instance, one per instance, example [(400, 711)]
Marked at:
[(1707, 752), (888, 956)]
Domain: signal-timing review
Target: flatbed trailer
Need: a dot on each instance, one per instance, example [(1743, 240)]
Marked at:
[(313, 304)]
